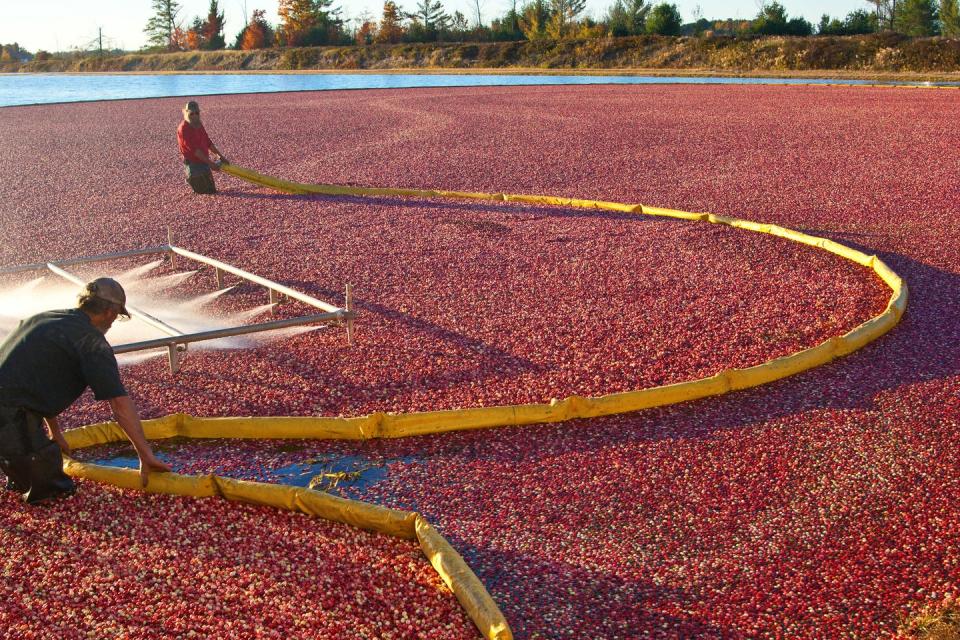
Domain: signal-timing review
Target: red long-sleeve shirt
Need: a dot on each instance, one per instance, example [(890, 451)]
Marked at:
[(191, 139)]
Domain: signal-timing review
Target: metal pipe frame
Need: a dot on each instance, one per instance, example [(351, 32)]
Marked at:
[(104, 257), (274, 287), (178, 340), (229, 332)]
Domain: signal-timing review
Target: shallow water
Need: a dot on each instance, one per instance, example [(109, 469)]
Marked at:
[(41, 88), (339, 474)]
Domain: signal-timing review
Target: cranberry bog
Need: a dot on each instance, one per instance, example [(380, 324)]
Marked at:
[(822, 505)]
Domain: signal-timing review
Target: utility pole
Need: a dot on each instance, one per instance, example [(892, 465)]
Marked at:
[(100, 41)]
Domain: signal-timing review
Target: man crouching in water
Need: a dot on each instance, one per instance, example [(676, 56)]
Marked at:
[(46, 363)]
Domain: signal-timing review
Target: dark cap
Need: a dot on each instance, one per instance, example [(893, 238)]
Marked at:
[(110, 290), (192, 106)]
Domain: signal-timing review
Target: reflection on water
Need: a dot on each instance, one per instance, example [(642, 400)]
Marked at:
[(39, 88)]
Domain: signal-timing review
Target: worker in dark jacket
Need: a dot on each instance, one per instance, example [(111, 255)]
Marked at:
[(195, 147), (46, 363)]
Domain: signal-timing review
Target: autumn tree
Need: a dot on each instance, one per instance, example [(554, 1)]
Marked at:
[(307, 22), (213, 28), (162, 26), (391, 29), (367, 33), (563, 17), (193, 36), (15, 53), (257, 34), (181, 39), (534, 19)]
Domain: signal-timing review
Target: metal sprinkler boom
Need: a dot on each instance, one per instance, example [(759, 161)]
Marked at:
[(177, 341)]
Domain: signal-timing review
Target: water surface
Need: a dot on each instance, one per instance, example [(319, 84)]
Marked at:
[(46, 88)]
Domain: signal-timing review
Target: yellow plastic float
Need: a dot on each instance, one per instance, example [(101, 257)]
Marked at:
[(468, 589)]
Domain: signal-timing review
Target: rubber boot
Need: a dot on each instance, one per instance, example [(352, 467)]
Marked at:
[(43, 469), (16, 483)]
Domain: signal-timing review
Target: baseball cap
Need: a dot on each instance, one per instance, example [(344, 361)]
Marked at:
[(192, 106), (110, 290)]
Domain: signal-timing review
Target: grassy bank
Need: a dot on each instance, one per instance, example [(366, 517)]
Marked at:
[(872, 55)]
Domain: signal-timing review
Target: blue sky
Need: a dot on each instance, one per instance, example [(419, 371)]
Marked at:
[(64, 24)]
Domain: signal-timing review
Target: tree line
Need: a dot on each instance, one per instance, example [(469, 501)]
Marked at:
[(319, 22)]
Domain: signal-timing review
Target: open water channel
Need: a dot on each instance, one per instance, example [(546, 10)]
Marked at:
[(46, 88)]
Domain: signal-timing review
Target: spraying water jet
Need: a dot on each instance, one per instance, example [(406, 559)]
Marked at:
[(176, 329)]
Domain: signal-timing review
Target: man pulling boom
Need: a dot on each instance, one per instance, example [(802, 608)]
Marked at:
[(46, 363)]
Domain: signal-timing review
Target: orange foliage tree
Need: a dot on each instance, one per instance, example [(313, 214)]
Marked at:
[(390, 31), (213, 28), (297, 17), (193, 37), (367, 32), (257, 34)]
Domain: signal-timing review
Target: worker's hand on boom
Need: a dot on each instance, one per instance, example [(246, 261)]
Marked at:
[(53, 427), (125, 412), (61, 442), (148, 463)]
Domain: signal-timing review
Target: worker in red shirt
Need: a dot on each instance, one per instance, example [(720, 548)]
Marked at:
[(195, 147)]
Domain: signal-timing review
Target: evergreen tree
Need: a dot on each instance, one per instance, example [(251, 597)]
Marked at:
[(627, 17), (916, 18), (664, 20), (949, 18), (430, 14), (507, 27), (860, 21), (162, 26), (213, 28), (773, 21)]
